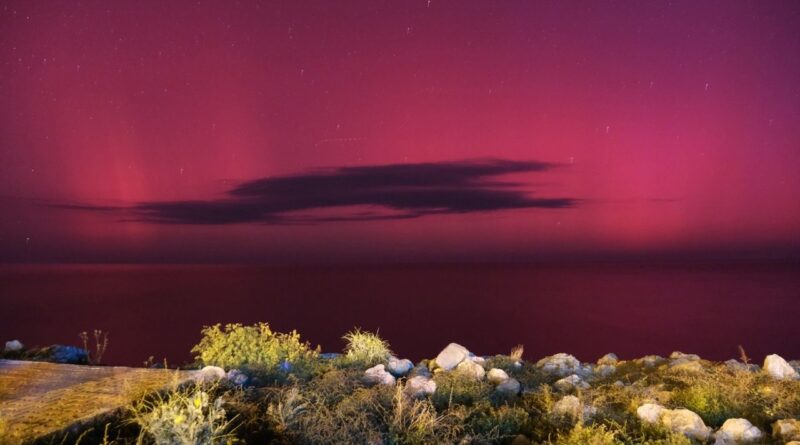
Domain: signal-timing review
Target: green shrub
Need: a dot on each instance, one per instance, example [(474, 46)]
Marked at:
[(365, 349), (285, 413), (456, 388), (496, 423), (189, 416), (710, 402), (588, 435), (255, 347)]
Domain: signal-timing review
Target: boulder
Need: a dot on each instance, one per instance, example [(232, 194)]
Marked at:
[(420, 370), (521, 439), (476, 358), (471, 369), (650, 412), (605, 370), (65, 354), (377, 375), (684, 365), (560, 364), (508, 388), (14, 346), (237, 377), (451, 356), (210, 374), (608, 359), (738, 431), (399, 368), (569, 406), (677, 355), (737, 366), (778, 368), (496, 376), (419, 386), (571, 383), (650, 361), (786, 429), (685, 422)]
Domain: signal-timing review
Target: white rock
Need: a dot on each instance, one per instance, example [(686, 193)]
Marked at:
[(560, 364), (496, 376), (210, 374), (786, 429), (778, 368), (570, 383), (236, 377), (739, 430), (650, 412), (605, 370), (684, 365), (568, 406), (685, 422), (14, 345), (608, 359), (420, 370), (377, 375), (736, 365), (399, 368), (451, 356), (678, 355), (471, 369), (420, 386), (509, 387), (651, 361)]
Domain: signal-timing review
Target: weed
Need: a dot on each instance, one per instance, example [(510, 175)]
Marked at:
[(516, 353), (459, 389), (188, 416), (365, 349), (100, 345)]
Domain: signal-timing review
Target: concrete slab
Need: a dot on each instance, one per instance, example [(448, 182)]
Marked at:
[(38, 399)]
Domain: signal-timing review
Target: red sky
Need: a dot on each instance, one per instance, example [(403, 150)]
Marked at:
[(666, 128)]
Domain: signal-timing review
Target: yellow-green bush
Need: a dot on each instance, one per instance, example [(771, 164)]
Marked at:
[(189, 416), (460, 389), (257, 346), (588, 435), (365, 348)]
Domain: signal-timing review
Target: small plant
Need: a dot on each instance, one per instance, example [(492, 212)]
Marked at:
[(457, 388), (496, 423), (256, 347), (743, 356), (411, 421), (286, 412), (100, 345), (189, 416), (516, 353), (365, 348), (588, 435)]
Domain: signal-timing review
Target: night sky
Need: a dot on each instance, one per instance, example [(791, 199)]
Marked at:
[(428, 130)]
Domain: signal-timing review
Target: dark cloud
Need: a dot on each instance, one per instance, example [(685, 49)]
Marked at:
[(397, 191)]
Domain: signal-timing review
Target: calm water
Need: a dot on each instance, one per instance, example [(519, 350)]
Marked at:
[(586, 310)]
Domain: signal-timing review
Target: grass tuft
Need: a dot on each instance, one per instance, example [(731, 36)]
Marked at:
[(365, 349)]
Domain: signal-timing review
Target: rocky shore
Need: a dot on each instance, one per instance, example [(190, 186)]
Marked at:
[(285, 392)]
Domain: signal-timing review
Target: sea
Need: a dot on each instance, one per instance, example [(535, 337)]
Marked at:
[(586, 309)]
